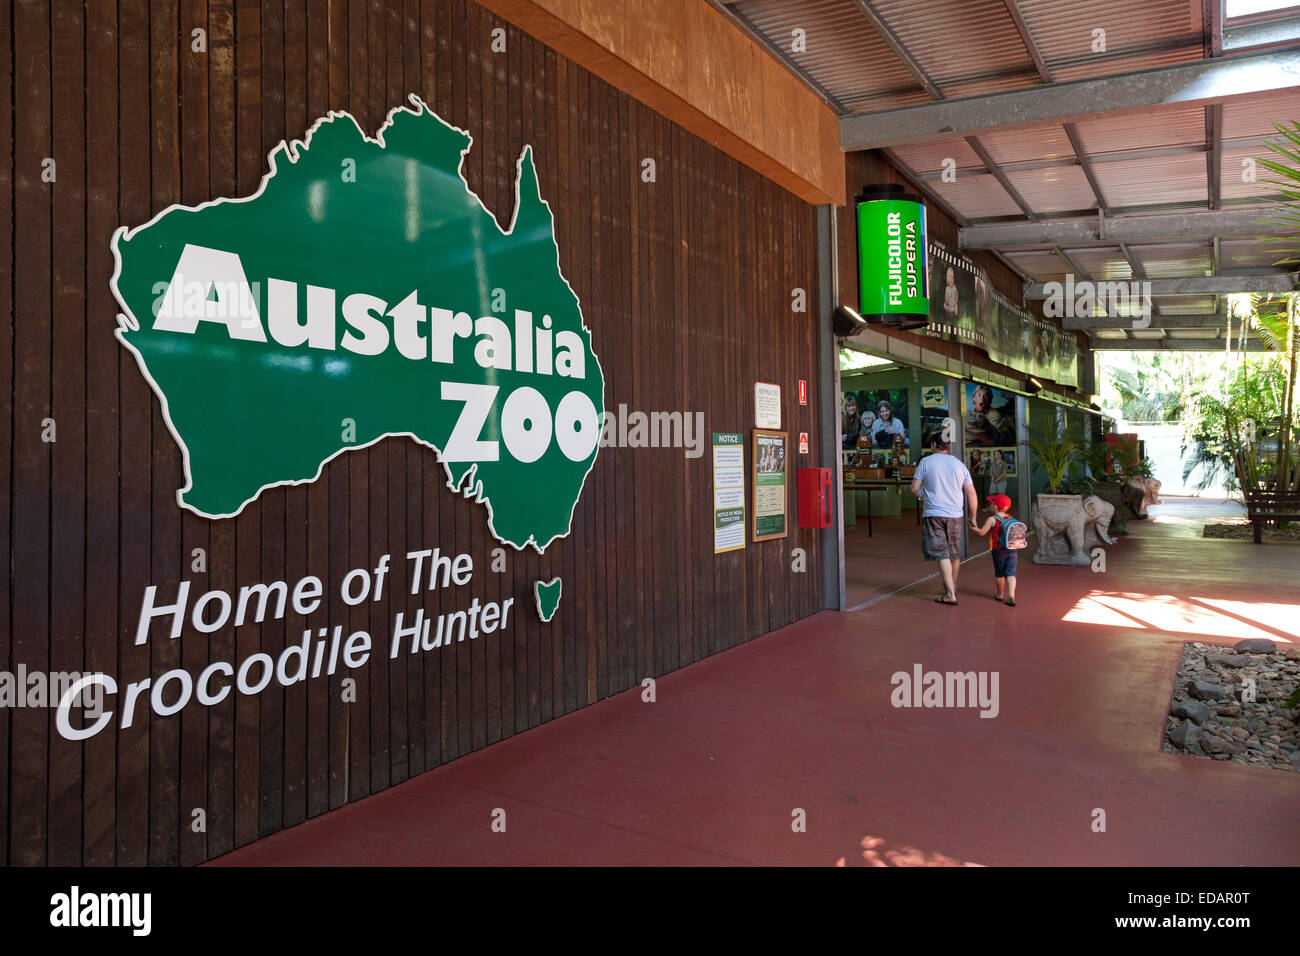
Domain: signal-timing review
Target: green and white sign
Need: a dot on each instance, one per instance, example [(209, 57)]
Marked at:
[(769, 485), (728, 491), (365, 292), (892, 274)]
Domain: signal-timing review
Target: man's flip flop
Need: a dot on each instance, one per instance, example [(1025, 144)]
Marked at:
[(942, 601)]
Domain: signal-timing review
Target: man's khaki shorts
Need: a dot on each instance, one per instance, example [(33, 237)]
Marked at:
[(941, 538)]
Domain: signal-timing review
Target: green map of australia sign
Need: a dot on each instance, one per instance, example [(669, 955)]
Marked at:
[(363, 292)]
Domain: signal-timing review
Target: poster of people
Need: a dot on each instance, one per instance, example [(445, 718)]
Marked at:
[(871, 419), (990, 419), (769, 485), (995, 464), (952, 293), (965, 307)]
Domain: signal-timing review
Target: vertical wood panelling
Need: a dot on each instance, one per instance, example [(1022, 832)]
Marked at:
[(7, 392), (164, 655), (196, 533), (684, 281), (68, 363), (135, 416), (222, 82), (104, 357)]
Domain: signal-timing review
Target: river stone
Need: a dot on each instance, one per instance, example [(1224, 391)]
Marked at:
[(1193, 710), (1218, 745), (1227, 660), (1204, 690), (1184, 735), (1255, 645), (1230, 710)]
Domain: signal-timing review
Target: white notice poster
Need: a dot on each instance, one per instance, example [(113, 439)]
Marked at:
[(767, 405), (728, 492)]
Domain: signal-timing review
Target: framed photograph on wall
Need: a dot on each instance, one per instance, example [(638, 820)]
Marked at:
[(770, 497)]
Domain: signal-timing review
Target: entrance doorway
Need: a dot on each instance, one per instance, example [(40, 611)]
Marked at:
[(889, 411)]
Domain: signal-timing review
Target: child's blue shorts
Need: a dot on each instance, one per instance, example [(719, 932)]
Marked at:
[(1004, 563)]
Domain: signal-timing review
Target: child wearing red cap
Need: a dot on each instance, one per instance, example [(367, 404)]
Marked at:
[(1004, 559)]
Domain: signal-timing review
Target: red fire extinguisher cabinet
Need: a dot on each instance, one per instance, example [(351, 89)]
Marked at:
[(815, 498)]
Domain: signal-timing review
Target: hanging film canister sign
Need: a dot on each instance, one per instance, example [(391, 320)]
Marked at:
[(893, 284)]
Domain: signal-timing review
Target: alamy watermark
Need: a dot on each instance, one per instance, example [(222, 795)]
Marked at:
[(623, 429), (1081, 299), (24, 688), (946, 689)]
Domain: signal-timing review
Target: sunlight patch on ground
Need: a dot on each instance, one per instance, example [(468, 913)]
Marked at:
[(1167, 612), (1280, 617), (877, 852)]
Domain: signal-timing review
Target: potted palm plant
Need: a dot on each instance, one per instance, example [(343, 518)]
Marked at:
[(1058, 517)]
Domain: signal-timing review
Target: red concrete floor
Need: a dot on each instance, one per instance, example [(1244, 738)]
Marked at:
[(890, 559), (801, 719)]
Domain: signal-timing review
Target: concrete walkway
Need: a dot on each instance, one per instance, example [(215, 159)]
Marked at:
[(801, 719)]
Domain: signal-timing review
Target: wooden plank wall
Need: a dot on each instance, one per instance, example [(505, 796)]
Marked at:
[(686, 283)]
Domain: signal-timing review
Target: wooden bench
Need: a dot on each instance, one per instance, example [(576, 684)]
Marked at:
[(1264, 506)]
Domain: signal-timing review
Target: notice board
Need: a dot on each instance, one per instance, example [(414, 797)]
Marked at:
[(769, 485)]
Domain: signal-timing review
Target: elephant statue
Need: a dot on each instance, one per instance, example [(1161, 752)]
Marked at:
[(1112, 493), (1151, 493), (1134, 494), (1139, 493), (1096, 524), (1059, 522)]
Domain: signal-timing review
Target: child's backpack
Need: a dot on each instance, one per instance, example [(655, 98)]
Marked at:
[(1012, 534)]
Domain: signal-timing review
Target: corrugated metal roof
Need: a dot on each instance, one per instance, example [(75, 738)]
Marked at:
[(1242, 177), (1047, 141), (1257, 116), (1154, 180), (1137, 36), (1251, 254), (1101, 262), (1195, 334), (1174, 259), (978, 197), (1183, 304), (1173, 126), (1054, 189), (1042, 266), (965, 47), (844, 53), (1148, 161), (929, 157)]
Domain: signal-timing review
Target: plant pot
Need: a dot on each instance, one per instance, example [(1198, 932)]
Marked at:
[(1058, 522), (1110, 492)]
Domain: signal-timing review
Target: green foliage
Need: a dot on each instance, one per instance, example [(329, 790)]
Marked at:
[(1151, 386), (1286, 170), (1057, 447), (1115, 461)]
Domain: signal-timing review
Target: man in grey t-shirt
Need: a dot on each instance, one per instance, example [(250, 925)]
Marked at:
[(942, 482)]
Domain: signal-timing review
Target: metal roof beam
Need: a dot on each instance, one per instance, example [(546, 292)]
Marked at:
[(1171, 345), (1250, 222), (1207, 320), (1197, 285), (1198, 83), (1261, 34)]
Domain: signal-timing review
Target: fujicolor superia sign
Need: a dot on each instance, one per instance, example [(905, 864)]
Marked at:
[(892, 275)]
